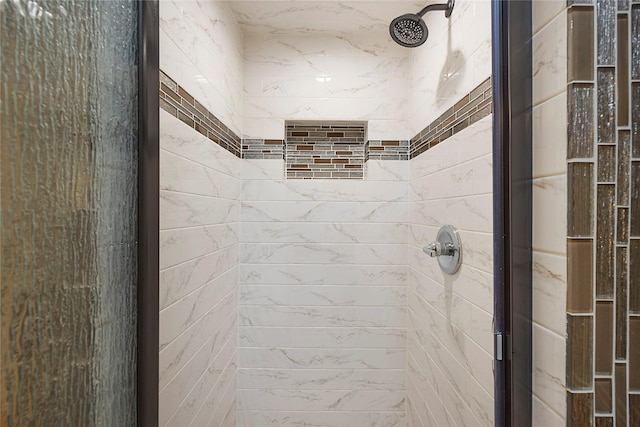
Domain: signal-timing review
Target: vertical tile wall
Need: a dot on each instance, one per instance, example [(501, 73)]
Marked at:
[(603, 374), (199, 212), (549, 212)]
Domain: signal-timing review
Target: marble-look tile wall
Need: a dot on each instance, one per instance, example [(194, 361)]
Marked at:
[(199, 255), (201, 50), (450, 333), (322, 305), (325, 77), (549, 122), (455, 59)]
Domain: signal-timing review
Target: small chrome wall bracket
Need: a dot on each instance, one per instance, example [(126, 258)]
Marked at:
[(447, 248)]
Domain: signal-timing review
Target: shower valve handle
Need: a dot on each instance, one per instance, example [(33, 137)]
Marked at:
[(436, 249)]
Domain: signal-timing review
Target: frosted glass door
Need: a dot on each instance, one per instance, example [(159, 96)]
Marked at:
[(68, 195)]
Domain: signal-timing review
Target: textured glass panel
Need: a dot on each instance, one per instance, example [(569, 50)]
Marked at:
[(623, 70), (580, 409), (580, 41), (606, 163), (604, 395), (580, 128), (580, 347), (635, 200), (604, 338), (634, 276), (68, 204), (623, 226), (620, 382), (606, 12), (605, 264), (606, 106), (635, 42), (580, 275), (634, 354), (635, 119), (623, 4), (621, 302), (603, 421), (624, 163)]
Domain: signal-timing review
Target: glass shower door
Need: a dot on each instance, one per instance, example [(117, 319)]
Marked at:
[(68, 197)]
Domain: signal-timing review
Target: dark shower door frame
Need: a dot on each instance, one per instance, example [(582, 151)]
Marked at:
[(512, 230), (148, 213)]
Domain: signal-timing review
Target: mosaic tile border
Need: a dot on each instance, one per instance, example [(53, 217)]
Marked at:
[(474, 106), (387, 150), (175, 100)]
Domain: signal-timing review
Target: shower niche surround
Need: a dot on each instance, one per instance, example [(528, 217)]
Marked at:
[(297, 301)]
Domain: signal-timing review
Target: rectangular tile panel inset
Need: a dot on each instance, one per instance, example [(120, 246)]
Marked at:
[(580, 43), (606, 106), (634, 276), (580, 409), (580, 133), (605, 238), (579, 349), (580, 193), (604, 338), (634, 354), (317, 150), (623, 70), (606, 13), (621, 303), (604, 395), (580, 275)]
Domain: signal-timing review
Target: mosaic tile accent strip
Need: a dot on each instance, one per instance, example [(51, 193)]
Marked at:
[(386, 150), (471, 108), (262, 149), (179, 103), (325, 150), (603, 226)]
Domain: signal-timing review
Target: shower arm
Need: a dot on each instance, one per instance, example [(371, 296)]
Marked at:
[(447, 7)]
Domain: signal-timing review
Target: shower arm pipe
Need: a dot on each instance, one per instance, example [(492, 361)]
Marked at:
[(440, 6)]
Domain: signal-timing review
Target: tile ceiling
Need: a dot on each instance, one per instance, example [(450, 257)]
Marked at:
[(317, 17)]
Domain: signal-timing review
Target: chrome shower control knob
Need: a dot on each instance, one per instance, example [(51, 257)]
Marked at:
[(447, 248)]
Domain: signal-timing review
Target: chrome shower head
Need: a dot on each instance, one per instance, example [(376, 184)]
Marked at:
[(409, 30)]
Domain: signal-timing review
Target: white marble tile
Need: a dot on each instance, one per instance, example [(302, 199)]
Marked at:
[(321, 400), (323, 295), (544, 11), (179, 210), (228, 402), (181, 315), (324, 190), (321, 419), (181, 175), (550, 292), (386, 170), (306, 212), (550, 59), (219, 397), (262, 169), (549, 370), (321, 358), (550, 137), (544, 416), (184, 244), (428, 405), (179, 281), (309, 232), (326, 337), (550, 214), (472, 213), (322, 379), (174, 392), (304, 253), (211, 332), (309, 274), (392, 129), (179, 139), (231, 419), (322, 316)]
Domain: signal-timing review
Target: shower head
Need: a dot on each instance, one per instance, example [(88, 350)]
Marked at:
[(409, 30)]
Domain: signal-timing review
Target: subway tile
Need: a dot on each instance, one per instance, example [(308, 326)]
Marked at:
[(635, 42), (634, 212), (620, 381), (579, 348), (624, 163), (580, 275), (581, 120), (621, 302), (580, 198), (606, 106), (606, 163), (550, 60), (634, 353), (580, 409), (550, 136), (606, 34), (634, 276), (580, 44), (622, 68), (604, 337), (603, 395), (605, 240)]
